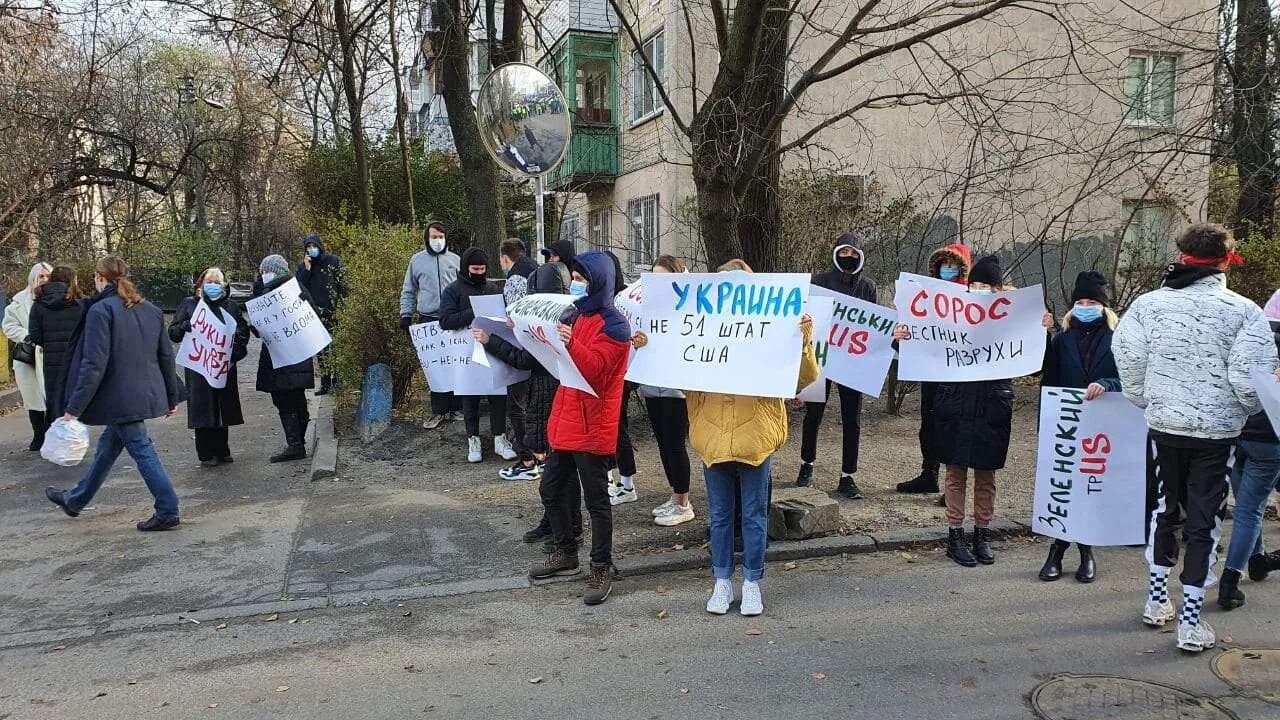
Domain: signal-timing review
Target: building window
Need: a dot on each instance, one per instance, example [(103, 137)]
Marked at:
[(1148, 232), (642, 231), (598, 228), (645, 101), (1149, 89), (595, 91), (571, 228)]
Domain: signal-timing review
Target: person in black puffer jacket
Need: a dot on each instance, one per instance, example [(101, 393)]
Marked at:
[(288, 384), (846, 277), (456, 314), (55, 317)]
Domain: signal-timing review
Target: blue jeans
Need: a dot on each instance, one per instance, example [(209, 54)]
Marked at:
[(132, 437), (1255, 475), (727, 485)]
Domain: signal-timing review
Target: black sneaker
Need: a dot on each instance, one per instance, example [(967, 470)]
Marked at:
[(58, 497), (537, 534), (154, 523), (848, 488), (599, 585), (557, 563), (520, 471), (805, 478)]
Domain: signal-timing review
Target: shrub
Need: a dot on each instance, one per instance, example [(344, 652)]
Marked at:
[(1259, 276)]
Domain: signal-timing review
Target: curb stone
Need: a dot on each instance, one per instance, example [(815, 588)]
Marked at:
[(10, 399), (324, 444)]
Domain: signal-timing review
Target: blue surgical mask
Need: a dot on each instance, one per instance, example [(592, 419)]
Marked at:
[(1087, 313), (314, 252), (578, 289), (267, 278), (949, 273), (983, 291), (212, 291), (506, 272)]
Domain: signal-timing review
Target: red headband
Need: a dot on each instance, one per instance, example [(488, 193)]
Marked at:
[(1230, 258)]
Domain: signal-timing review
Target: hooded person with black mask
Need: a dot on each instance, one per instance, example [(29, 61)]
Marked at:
[(846, 277), (456, 314), (429, 273), (320, 274)]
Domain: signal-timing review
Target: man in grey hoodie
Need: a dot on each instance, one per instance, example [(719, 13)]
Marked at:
[(429, 273)]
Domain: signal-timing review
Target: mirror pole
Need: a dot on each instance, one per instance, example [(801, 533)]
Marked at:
[(540, 204)]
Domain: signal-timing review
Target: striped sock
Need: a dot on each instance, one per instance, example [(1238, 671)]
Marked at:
[(1158, 588), (1192, 600)]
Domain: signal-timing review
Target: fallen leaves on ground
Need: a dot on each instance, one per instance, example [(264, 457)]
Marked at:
[(662, 590), (790, 566), (755, 631), (662, 614), (535, 680), (819, 676), (282, 688), (222, 626), (908, 557), (273, 617), (968, 681), (684, 691)]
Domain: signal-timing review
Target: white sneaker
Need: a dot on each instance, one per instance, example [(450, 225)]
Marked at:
[(1195, 638), (664, 508), (623, 495), (1156, 614), (473, 449), (678, 514), (503, 448), (721, 598), (432, 422), (752, 604)]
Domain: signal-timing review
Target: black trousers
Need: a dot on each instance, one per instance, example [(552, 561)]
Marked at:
[(850, 410), (669, 417), (1192, 478), (564, 470), (212, 443), (625, 459), (517, 406), (928, 453), (290, 401), (497, 414)]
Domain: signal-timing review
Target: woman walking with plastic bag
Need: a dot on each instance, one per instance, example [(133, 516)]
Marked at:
[(121, 374), (27, 370), (55, 318)]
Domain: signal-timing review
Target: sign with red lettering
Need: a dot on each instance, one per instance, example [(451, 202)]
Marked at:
[(855, 351), (819, 308), (1091, 470), (536, 318), (959, 335), (206, 349), (630, 303)]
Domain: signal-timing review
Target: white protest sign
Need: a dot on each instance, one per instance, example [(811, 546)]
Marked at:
[(445, 356), (1091, 469), (630, 303), (488, 311), (206, 348), (1268, 388), (959, 336), (736, 333), (536, 317), (858, 347), (820, 309), (288, 325)]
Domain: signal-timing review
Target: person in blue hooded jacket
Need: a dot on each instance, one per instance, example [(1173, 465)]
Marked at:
[(320, 274)]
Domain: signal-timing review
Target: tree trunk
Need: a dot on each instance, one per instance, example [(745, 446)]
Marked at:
[(342, 22), (401, 110), (480, 174), (1253, 98)]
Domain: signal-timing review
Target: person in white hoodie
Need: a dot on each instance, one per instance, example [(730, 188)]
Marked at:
[(1185, 353)]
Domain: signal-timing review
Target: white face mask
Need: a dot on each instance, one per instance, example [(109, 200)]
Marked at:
[(437, 244), (267, 278)]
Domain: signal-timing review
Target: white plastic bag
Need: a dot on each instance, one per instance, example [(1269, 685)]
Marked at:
[(66, 442)]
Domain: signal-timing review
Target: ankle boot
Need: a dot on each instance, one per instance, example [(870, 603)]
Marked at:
[(957, 549), (1262, 565), (1052, 569), (981, 550), (37, 429), (1088, 569), (293, 448), (925, 482), (1229, 595)]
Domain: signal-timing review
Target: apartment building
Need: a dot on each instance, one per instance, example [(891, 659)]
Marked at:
[(428, 119)]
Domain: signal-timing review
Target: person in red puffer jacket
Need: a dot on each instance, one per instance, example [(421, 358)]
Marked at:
[(583, 429)]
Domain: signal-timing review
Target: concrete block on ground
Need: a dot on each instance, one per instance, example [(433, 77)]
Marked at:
[(324, 449), (799, 513), (373, 414)]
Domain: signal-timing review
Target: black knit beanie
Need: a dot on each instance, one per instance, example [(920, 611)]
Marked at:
[(987, 270), (1091, 285)]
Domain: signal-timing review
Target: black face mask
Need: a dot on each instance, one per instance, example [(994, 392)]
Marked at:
[(848, 264), (476, 279)]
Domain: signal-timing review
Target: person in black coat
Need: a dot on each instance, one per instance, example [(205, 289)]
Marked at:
[(121, 374), (288, 384), (1080, 357), (320, 274), (211, 411), (55, 317), (848, 259), (456, 314)]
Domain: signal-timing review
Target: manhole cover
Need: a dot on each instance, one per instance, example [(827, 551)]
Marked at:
[(1102, 697), (1251, 671)]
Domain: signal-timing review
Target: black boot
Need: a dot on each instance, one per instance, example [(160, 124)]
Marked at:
[(925, 482), (326, 383), (293, 448), (957, 549), (1262, 565), (37, 429), (1052, 569), (1229, 595), (805, 478), (1088, 569), (981, 550), (942, 501)]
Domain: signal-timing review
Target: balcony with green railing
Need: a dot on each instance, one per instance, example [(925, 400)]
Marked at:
[(585, 65)]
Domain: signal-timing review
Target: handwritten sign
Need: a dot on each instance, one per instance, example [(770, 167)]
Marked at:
[(445, 356), (206, 348), (536, 318), (736, 333), (820, 309), (288, 325), (630, 303), (957, 335), (858, 347), (490, 311), (1091, 469)]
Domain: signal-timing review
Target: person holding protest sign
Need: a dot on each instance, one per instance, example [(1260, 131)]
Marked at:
[(287, 385), (1080, 357), (583, 430), (973, 421), (456, 314), (27, 360), (211, 410), (846, 277), (624, 460), (122, 374), (430, 271), (518, 270), (55, 317), (320, 274), (1185, 353), (949, 263)]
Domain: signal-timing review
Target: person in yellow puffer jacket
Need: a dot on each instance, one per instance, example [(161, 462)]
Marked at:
[(736, 437)]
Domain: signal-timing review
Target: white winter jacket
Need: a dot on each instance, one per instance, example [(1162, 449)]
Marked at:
[(1185, 352)]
